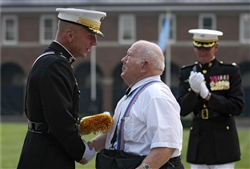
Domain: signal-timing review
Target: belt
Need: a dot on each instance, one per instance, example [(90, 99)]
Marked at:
[(37, 127), (207, 114)]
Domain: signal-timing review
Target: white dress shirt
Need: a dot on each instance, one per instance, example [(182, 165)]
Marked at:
[(153, 121)]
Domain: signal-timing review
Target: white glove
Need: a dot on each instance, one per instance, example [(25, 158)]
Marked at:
[(195, 79), (106, 112), (203, 90), (88, 154)]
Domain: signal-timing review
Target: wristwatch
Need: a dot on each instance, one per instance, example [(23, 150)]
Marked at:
[(145, 166), (208, 96)]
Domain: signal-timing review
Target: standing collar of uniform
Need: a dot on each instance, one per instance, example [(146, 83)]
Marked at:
[(64, 48), (144, 81), (208, 63)]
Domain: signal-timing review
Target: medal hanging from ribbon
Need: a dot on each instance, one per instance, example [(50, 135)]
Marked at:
[(219, 82)]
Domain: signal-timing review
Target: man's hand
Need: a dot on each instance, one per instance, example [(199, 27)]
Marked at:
[(83, 161), (89, 154), (195, 80), (203, 90), (91, 145)]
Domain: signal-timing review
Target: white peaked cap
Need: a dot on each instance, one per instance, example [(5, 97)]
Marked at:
[(90, 19), (204, 37)]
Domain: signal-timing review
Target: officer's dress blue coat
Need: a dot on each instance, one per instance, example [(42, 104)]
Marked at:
[(52, 98), (213, 140)]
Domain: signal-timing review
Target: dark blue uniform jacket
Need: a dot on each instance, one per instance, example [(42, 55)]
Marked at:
[(52, 98), (213, 136)]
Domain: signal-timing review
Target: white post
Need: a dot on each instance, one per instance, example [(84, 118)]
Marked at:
[(168, 55), (93, 74), (168, 65)]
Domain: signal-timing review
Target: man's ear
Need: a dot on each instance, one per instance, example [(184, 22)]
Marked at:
[(69, 35), (216, 47), (145, 66)]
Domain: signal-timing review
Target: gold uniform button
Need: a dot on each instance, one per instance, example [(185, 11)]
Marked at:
[(204, 71), (227, 127), (191, 128)]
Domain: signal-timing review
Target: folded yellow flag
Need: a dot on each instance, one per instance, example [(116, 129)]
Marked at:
[(100, 122)]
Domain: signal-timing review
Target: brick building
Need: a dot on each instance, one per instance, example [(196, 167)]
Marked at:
[(28, 27)]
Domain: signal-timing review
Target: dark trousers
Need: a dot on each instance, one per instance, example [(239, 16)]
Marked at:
[(173, 163)]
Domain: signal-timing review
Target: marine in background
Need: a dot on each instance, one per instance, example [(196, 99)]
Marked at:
[(211, 90)]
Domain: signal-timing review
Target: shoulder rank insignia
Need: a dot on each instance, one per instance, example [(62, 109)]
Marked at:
[(228, 63), (191, 65)]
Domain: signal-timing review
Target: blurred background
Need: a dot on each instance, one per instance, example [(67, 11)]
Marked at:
[(29, 26)]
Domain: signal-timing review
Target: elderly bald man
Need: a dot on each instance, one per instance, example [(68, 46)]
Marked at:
[(151, 129)]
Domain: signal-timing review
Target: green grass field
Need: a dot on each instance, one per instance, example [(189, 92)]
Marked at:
[(12, 137)]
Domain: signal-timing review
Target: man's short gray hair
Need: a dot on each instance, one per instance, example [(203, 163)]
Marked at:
[(152, 52)]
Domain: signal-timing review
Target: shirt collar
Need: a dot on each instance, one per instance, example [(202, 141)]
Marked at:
[(65, 49), (142, 82)]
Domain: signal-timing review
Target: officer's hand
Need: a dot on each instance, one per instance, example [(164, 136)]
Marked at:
[(89, 154), (203, 90), (195, 79)]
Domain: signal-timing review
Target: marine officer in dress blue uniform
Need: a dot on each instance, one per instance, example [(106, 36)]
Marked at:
[(212, 91), (52, 95)]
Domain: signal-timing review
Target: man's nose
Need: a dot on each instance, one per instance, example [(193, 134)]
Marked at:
[(124, 59)]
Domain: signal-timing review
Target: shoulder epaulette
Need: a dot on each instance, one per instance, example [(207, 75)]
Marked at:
[(228, 63), (191, 65)]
